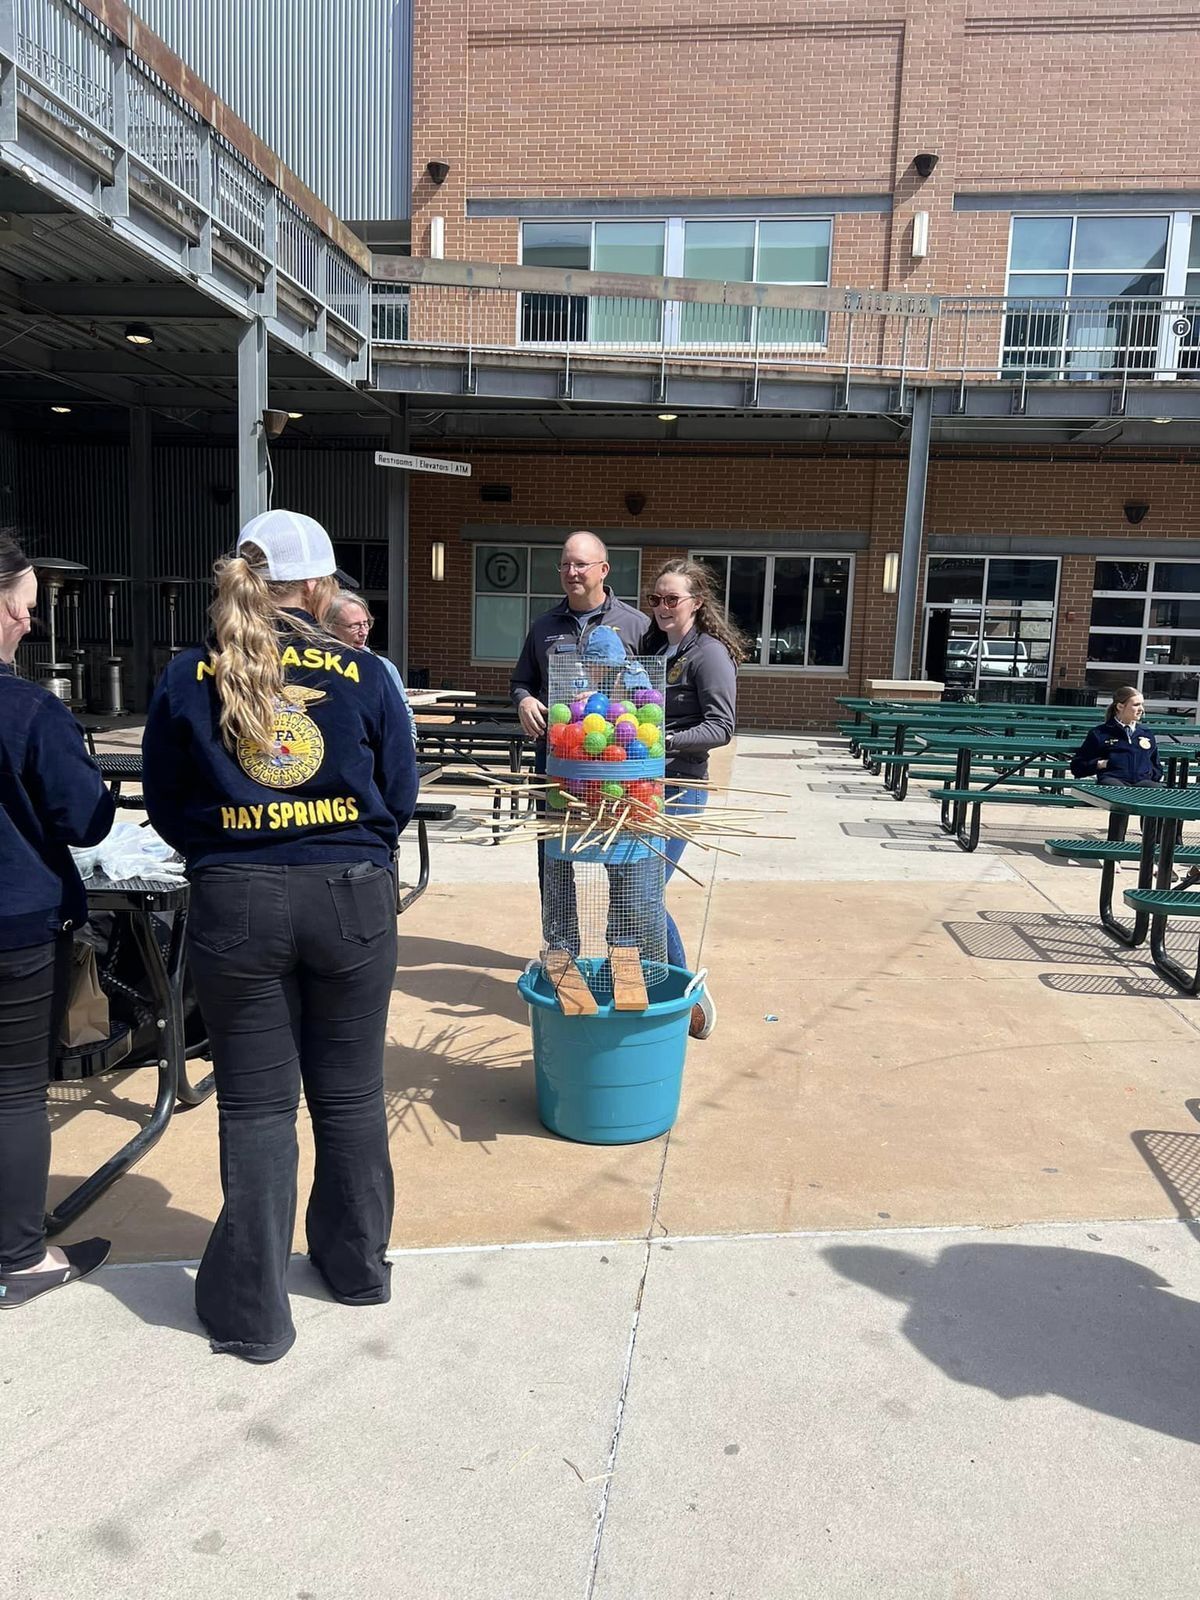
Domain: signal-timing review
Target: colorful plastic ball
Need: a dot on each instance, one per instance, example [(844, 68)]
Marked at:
[(626, 718), (628, 706), (594, 744), (595, 723), (559, 712), (555, 800), (578, 710), (625, 732), (614, 752), (637, 751), (599, 704), (656, 751), (641, 697), (654, 697), (651, 712), (555, 732), (612, 791)]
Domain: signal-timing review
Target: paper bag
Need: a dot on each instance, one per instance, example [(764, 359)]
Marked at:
[(86, 1018)]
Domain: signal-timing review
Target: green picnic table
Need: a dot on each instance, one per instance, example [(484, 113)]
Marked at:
[(1163, 811)]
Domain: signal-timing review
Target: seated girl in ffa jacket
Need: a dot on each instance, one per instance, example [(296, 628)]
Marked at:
[(1121, 750)]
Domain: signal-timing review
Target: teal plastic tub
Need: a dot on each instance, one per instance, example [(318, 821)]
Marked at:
[(613, 1078)]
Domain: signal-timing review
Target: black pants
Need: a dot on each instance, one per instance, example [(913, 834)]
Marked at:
[(33, 986), (293, 967)]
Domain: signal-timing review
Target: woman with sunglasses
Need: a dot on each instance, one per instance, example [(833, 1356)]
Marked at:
[(703, 649)]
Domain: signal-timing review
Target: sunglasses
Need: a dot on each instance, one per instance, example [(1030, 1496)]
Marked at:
[(670, 601)]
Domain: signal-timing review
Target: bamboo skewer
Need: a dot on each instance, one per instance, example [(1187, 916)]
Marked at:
[(700, 884)]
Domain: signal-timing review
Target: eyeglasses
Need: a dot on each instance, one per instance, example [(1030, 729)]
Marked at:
[(579, 566), (668, 600)]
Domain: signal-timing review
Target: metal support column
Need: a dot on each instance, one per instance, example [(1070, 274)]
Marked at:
[(253, 466), (397, 537), (141, 592), (914, 520)]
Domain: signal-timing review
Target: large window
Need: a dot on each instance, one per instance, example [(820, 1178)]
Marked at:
[(1145, 630), (515, 583), (792, 250), (989, 625), (794, 610), (1112, 265)]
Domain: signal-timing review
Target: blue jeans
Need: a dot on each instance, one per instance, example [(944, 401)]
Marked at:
[(679, 800)]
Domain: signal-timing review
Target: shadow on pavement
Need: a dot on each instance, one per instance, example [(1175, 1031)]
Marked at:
[(1024, 1320), (465, 1080)]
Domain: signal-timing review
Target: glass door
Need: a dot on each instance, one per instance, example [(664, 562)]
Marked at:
[(989, 627)]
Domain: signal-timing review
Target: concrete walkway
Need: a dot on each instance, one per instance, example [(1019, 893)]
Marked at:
[(905, 1305)]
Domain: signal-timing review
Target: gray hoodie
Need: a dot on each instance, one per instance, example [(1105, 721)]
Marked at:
[(701, 700)]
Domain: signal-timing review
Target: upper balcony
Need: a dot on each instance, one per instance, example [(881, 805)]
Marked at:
[(526, 333)]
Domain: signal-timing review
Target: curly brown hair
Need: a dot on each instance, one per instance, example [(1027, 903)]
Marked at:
[(712, 616)]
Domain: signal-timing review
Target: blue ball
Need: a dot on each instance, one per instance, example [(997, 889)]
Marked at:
[(635, 750), (598, 704)]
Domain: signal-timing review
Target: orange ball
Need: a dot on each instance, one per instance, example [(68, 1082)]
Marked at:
[(615, 752)]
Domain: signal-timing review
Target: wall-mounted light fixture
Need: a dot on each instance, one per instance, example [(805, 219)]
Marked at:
[(1136, 510), (891, 572), (438, 171), (635, 502), (437, 560), (274, 422), (925, 163), (139, 333), (61, 411), (437, 238), (668, 416), (920, 235), (294, 416)]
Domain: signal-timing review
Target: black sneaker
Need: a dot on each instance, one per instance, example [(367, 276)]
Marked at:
[(19, 1288)]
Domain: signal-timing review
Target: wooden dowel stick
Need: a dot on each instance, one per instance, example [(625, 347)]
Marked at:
[(700, 884)]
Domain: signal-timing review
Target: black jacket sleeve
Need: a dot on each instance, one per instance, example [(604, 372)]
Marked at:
[(1083, 762), (395, 758), (526, 677), (1156, 771), (715, 679), (73, 804), (165, 767)]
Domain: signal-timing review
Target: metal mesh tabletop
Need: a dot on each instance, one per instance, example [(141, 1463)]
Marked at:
[(1143, 800)]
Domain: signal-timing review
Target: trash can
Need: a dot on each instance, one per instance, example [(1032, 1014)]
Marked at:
[(615, 1077)]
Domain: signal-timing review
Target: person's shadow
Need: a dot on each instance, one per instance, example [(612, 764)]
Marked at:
[(1021, 1320)]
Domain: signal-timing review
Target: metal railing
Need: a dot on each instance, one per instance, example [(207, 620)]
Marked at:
[(1077, 339)]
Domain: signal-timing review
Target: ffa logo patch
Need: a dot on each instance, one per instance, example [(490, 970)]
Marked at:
[(676, 670), (1145, 743), (297, 750)]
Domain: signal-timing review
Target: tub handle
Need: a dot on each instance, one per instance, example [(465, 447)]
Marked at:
[(697, 980)]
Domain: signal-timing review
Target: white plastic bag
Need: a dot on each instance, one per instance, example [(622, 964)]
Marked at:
[(130, 852)]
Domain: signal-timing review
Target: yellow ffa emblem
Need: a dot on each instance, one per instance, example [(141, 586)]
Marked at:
[(297, 750), (1145, 743), (675, 670)]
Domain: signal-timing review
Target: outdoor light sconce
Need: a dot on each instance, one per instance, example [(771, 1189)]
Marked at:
[(891, 572), (925, 164), (1135, 511), (635, 503), (438, 171), (274, 422), (437, 238), (139, 333), (920, 235), (437, 560)]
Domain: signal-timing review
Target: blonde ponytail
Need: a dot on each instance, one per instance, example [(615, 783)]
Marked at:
[(247, 622)]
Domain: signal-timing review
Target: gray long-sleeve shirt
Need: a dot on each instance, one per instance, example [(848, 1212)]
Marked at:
[(701, 701)]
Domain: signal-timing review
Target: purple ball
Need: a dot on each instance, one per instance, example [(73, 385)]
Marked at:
[(625, 732), (654, 697), (578, 710), (642, 697)]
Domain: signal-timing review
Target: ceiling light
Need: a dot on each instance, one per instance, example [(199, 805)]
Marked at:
[(139, 333), (61, 411), (1162, 421), (668, 416), (295, 415)]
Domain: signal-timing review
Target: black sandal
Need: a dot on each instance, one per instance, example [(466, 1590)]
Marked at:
[(19, 1288)]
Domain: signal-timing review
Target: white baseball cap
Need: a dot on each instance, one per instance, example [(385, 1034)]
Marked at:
[(295, 546)]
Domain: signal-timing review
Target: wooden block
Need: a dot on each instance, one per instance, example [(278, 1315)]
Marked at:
[(574, 997), (629, 984)]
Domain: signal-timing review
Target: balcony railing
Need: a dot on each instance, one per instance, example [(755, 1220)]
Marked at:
[(777, 328)]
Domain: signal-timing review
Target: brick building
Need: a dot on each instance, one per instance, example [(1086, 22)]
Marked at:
[(1055, 549)]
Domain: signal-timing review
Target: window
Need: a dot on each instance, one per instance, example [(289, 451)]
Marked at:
[(1113, 264), (515, 583), (989, 625), (785, 250), (1145, 630), (793, 609), (366, 561)]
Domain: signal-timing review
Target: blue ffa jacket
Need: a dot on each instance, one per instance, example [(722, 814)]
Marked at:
[(1131, 753), (51, 796), (338, 782), (701, 700), (557, 629)]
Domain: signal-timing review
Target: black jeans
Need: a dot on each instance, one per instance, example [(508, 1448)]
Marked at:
[(33, 991), (293, 967)]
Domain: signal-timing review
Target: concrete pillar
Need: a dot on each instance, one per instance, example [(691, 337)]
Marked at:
[(397, 538), (143, 596), (914, 521), (253, 465)]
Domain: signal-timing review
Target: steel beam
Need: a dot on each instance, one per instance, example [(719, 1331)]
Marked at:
[(140, 535), (253, 462), (914, 520)]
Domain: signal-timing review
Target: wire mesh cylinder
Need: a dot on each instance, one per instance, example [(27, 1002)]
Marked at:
[(604, 868)]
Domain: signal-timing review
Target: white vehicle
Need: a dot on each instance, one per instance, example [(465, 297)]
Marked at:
[(1002, 658)]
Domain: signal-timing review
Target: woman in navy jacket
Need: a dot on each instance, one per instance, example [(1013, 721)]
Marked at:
[(1122, 749), (51, 796), (280, 765)]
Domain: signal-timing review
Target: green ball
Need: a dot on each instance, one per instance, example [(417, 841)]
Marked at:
[(556, 799), (613, 791), (560, 712), (656, 751), (628, 707), (594, 743), (652, 714), (609, 732)]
